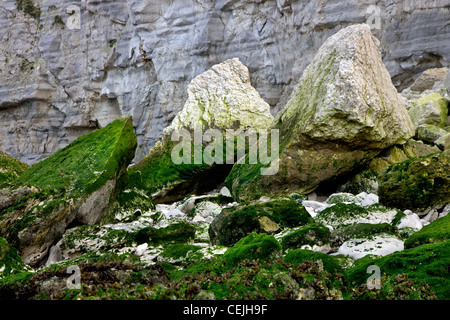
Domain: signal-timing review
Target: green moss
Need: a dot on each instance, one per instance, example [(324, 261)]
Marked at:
[(177, 252), (83, 238), (10, 261), (341, 213), (10, 168), (437, 231), (311, 234), (128, 202), (57, 20), (11, 284), (157, 170), (235, 223), (181, 232), (362, 230), (254, 247), (418, 183), (87, 163), (398, 217), (29, 7), (427, 263), (298, 256)]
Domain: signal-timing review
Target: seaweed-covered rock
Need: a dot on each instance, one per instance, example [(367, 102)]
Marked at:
[(366, 180), (344, 214), (358, 230), (436, 231), (427, 263), (419, 183), (221, 98), (10, 168), (342, 113), (298, 256), (10, 261), (314, 235), (78, 184), (253, 247), (235, 223)]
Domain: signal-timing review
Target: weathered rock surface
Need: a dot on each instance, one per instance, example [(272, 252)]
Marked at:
[(343, 112), (428, 78), (220, 99), (419, 183), (78, 184), (60, 80), (430, 109)]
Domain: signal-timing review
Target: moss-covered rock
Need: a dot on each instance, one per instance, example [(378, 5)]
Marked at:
[(253, 247), (366, 180), (418, 183), (430, 109), (298, 256), (180, 232), (235, 223), (314, 234), (344, 214), (77, 184), (10, 262), (429, 133), (427, 263), (177, 253), (10, 168), (358, 230), (436, 231), (130, 205)]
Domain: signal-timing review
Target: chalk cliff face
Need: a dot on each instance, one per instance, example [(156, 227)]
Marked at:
[(68, 67)]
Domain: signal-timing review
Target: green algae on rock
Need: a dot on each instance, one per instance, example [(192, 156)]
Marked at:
[(436, 231), (342, 113), (431, 109), (253, 247), (427, 263), (10, 168), (10, 261), (418, 183), (314, 234), (79, 183), (235, 223)]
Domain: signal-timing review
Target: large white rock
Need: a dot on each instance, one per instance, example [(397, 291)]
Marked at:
[(379, 245), (223, 97)]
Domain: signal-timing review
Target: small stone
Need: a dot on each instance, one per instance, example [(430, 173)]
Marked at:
[(431, 216), (369, 200), (225, 192), (411, 220), (140, 249)]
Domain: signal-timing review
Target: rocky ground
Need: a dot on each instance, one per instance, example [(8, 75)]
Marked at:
[(362, 193)]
